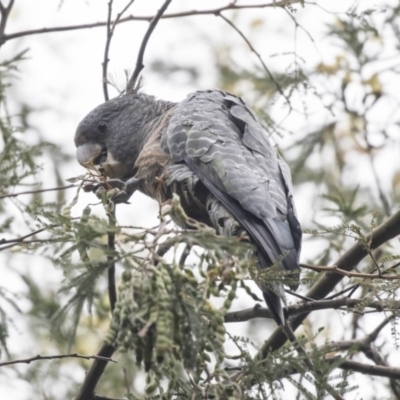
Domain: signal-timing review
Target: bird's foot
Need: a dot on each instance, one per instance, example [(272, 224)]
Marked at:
[(123, 193)]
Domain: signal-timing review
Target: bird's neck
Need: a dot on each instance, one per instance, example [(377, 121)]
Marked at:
[(153, 113)]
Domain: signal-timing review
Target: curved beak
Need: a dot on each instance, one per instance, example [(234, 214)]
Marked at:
[(87, 153)]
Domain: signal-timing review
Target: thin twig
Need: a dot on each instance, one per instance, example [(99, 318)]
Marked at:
[(25, 242), (3, 196), (296, 366), (106, 51), (22, 238), (57, 357), (229, 6), (251, 47), (5, 13), (110, 31), (16, 241), (139, 61), (337, 270)]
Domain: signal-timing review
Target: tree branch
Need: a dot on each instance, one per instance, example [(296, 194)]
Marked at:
[(139, 61), (348, 261), (348, 365), (5, 13), (297, 309), (252, 49), (106, 51), (3, 196), (337, 270), (57, 357), (230, 6), (112, 291), (95, 372), (339, 362), (368, 369), (110, 32)]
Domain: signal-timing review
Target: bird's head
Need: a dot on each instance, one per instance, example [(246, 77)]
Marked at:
[(112, 135)]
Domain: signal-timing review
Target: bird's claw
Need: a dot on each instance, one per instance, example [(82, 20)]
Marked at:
[(121, 195)]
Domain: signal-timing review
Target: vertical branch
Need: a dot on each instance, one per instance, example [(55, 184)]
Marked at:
[(139, 61), (106, 51), (110, 32), (112, 291), (5, 13)]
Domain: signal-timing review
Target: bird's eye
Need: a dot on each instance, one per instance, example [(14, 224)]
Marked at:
[(102, 126)]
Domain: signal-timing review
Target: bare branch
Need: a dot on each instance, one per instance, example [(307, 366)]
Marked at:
[(297, 309), (22, 238), (349, 365), (368, 369), (335, 269), (251, 47), (374, 334), (5, 13), (16, 241), (3, 196), (139, 61), (110, 32), (56, 357), (229, 6), (106, 51), (348, 261), (340, 363)]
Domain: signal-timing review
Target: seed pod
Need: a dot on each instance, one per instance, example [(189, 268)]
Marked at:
[(152, 383), (126, 276), (205, 357)]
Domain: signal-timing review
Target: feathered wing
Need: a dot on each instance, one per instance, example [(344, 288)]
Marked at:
[(219, 138)]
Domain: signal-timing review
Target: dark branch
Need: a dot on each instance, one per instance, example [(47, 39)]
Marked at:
[(348, 365), (57, 357), (3, 196), (230, 6), (106, 51), (95, 372), (5, 13), (139, 61), (112, 291), (297, 367), (16, 241), (368, 369), (22, 238), (337, 270), (262, 312), (348, 261), (110, 31)]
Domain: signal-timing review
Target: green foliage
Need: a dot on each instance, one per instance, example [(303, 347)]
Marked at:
[(164, 312)]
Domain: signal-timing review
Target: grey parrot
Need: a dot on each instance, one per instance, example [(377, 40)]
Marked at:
[(211, 150)]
